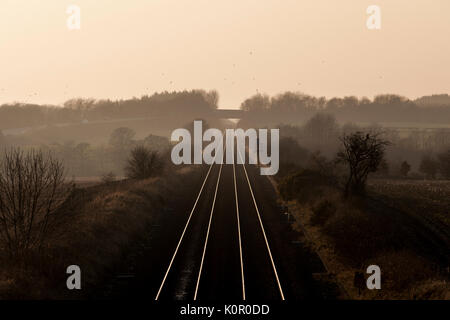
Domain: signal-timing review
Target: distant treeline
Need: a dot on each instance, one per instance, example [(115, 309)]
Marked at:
[(323, 134), (83, 159), (185, 104), (288, 108), (291, 107)]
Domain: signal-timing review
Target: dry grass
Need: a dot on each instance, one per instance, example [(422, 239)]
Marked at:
[(99, 224), (349, 238)]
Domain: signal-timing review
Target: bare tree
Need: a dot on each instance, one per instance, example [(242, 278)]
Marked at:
[(32, 187), (143, 163), (363, 153)]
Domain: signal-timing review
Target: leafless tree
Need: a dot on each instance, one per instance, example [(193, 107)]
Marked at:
[(363, 153), (143, 163), (32, 187)]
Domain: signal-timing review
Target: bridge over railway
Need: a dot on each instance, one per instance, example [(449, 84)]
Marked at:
[(229, 113)]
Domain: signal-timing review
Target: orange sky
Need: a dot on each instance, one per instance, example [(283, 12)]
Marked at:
[(238, 47)]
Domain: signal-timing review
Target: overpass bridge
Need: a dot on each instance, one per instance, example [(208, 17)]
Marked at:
[(228, 113)]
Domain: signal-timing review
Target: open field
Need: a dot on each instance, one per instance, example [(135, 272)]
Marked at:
[(427, 198), (399, 223)]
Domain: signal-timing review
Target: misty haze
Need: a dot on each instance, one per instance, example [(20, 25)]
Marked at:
[(347, 197)]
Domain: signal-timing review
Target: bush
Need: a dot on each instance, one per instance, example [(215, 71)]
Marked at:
[(109, 177), (358, 234), (143, 163), (396, 276)]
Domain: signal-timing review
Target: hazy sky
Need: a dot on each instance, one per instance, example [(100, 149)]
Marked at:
[(128, 48)]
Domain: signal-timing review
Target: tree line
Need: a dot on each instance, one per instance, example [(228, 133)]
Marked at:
[(293, 107), (287, 107), (181, 104), (420, 155)]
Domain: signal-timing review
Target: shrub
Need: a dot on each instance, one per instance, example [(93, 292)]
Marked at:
[(398, 277), (358, 234), (143, 163), (109, 177)]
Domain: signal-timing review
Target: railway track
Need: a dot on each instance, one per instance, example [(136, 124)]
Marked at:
[(223, 251)]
